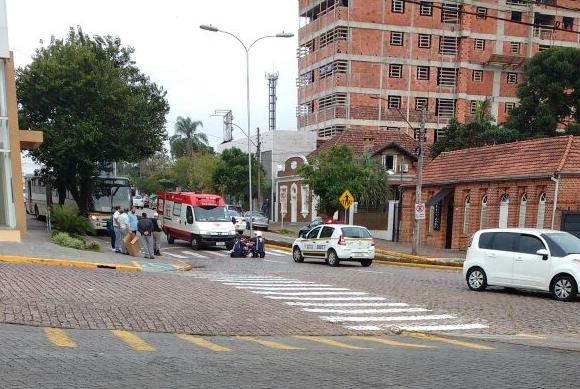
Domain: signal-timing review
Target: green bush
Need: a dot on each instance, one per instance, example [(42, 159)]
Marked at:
[(64, 239), (66, 219)]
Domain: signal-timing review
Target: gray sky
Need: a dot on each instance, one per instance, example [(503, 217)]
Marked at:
[(201, 71)]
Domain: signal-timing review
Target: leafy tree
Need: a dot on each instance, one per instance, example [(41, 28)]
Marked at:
[(94, 106), (196, 173), (550, 93), (187, 139), (231, 175), (333, 171)]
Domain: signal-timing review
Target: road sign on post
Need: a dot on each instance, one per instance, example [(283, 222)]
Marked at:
[(346, 199), (420, 211)]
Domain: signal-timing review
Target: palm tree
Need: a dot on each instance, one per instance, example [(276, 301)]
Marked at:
[(186, 132)]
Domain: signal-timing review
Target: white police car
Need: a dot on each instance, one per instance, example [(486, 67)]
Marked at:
[(335, 243)]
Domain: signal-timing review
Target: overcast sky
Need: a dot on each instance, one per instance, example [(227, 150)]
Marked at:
[(200, 70)]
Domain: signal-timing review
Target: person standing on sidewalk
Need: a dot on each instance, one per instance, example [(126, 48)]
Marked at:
[(124, 229), (156, 234), (133, 220), (117, 229), (146, 227)]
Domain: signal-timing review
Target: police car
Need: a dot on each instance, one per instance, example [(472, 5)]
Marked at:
[(335, 243)]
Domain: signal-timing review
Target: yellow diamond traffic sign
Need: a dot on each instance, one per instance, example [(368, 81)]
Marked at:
[(346, 199)]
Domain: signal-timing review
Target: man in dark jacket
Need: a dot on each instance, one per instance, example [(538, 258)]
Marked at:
[(146, 227), (156, 234)]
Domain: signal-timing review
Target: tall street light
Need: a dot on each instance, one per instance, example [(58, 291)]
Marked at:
[(247, 49)]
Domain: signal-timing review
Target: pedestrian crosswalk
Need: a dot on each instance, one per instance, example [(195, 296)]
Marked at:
[(355, 310), (182, 253)]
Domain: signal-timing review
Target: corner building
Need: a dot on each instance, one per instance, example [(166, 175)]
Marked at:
[(442, 55)]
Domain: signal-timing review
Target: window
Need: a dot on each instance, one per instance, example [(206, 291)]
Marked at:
[(523, 207), (326, 232), (398, 6), (466, 214), (356, 232), (390, 162), (334, 35), (448, 45), (420, 103), (516, 16), (512, 78), (450, 13), (446, 76), (515, 47), (431, 218), (473, 106), (485, 240), (481, 13), (334, 67), (313, 234), (422, 73), (504, 241), (445, 107), (332, 100), (177, 209), (529, 244), (504, 210), (541, 211), (394, 102), (189, 215), (483, 213), (397, 38), (479, 44), (544, 47), (424, 41), (568, 23), (477, 76), (509, 107), (395, 70), (426, 8)]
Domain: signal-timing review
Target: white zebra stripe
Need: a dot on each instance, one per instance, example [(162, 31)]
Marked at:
[(342, 319), (366, 298), (450, 327), (193, 254), (312, 293), (364, 311), (299, 304), (289, 288)]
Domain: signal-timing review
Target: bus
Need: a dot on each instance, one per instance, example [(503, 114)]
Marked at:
[(107, 193)]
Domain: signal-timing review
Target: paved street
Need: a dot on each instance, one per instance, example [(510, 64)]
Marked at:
[(35, 357)]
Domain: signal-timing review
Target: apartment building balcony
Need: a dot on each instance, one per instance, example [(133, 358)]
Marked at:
[(505, 61), (320, 17), (327, 84), (323, 115)]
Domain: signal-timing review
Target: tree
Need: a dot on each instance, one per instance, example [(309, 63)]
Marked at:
[(196, 173), (187, 139), (550, 93), (94, 106), (333, 171), (231, 175)]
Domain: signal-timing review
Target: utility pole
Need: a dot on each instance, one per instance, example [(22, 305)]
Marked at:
[(418, 195), (259, 158)]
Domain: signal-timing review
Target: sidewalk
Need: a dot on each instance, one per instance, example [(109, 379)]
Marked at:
[(387, 250), (36, 248)]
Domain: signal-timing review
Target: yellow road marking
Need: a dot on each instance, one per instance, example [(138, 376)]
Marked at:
[(390, 342), (203, 343), (330, 342), (59, 338), (530, 336), (135, 342), (269, 343), (454, 342)]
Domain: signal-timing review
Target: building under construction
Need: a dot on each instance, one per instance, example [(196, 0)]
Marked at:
[(444, 56)]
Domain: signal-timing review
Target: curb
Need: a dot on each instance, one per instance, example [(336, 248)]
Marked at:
[(397, 258), (67, 263)]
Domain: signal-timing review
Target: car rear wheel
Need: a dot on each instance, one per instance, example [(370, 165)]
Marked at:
[(297, 255), (366, 262), (194, 243), (333, 258), (476, 279), (564, 288)]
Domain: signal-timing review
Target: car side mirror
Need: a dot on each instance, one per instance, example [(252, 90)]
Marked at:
[(544, 253)]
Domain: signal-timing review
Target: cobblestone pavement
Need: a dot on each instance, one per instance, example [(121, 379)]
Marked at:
[(214, 300), (32, 357)]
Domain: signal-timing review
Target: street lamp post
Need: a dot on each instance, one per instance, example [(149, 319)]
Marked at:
[(247, 50), (418, 197)]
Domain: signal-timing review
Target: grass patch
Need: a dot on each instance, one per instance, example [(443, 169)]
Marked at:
[(64, 239), (284, 231)]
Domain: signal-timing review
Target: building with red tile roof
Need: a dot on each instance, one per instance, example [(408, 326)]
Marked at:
[(533, 183)]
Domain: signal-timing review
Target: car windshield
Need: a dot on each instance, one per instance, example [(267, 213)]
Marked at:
[(211, 214), (233, 213), (562, 243), (355, 232)]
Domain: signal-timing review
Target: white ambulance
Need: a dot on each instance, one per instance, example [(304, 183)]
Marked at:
[(200, 219)]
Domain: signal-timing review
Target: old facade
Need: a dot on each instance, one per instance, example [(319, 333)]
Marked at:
[(442, 56), (531, 183)]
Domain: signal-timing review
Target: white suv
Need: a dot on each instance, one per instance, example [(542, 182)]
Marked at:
[(546, 260), (335, 243)]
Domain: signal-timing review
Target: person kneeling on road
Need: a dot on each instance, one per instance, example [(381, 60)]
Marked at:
[(146, 227)]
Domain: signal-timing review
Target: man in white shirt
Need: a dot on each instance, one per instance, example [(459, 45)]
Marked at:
[(117, 229), (124, 229)]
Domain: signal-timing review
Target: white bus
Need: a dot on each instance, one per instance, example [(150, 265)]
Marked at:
[(108, 192)]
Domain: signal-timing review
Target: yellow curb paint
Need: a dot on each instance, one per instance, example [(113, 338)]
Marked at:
[(203, 343), (455, 342), (66, 262), (269, 245), (59, 337), (330, 342), (409, 264), (390, 342), (135, 342), (269, 343), (405, 255)]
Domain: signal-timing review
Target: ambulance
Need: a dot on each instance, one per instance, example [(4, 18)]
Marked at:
[(200, 219)]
